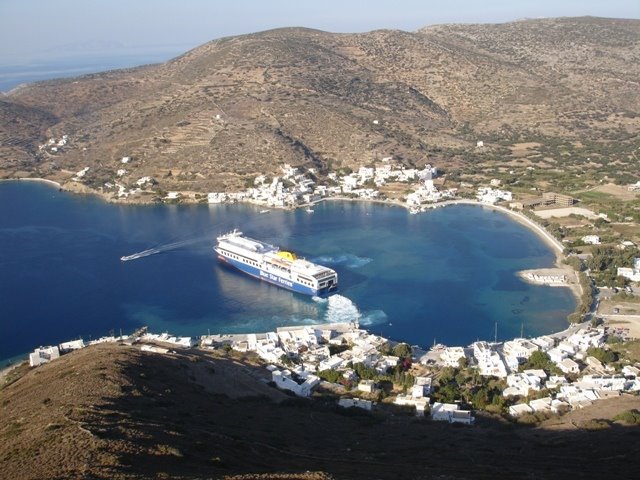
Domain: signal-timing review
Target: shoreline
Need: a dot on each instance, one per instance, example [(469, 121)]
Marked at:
[(53, 183), (556, 246)]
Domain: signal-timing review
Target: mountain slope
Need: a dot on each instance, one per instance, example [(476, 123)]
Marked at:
[(112, 411), (220, 114)]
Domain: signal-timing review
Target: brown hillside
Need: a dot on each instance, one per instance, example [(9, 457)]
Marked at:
[(218, 115), (113, 411)]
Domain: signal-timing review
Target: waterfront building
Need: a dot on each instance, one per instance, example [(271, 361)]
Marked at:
[(43, 355)]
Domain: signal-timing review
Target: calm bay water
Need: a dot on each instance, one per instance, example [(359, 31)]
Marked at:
[(446, 275)]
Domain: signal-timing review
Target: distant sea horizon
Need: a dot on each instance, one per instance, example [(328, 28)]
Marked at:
[(75, 65)]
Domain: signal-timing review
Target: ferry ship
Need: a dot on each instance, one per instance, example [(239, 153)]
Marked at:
[(279, 267)]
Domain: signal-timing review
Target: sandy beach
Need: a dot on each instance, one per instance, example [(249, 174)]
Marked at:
[(40, 180)]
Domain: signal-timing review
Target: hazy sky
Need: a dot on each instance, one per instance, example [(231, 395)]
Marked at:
[(38, 29)]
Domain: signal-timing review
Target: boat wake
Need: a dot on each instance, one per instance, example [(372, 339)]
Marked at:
[(341, 310), (375, 317), (349, 260), (144, 253), (164, 248)]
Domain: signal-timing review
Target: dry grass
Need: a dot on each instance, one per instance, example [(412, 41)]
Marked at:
[(237, 106), (620, 192), (115, 412)]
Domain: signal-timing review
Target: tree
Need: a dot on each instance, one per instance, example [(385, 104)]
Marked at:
[(538, 360), (331, 376), (463, 363), (605, 356), (402, 350)]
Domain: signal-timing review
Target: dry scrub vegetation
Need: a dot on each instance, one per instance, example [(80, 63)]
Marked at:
[(238, 106)]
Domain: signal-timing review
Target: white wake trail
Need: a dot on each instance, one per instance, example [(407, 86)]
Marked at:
[(341, 310), (164, 248)]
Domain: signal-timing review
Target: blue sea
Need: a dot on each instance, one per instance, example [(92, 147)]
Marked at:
[(447, 275), (75, 65)]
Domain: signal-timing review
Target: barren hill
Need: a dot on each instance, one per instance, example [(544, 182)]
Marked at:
[(115, 412), (218, 115)]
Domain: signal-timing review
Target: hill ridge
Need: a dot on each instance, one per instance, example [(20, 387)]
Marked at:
[(213, 118)]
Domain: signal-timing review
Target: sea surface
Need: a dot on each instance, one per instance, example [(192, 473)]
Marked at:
[(446, 276), (73, 66)]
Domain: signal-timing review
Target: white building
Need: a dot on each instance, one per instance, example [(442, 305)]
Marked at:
[(632, 274), (450, 412), (556, 355), (520, 409), (519, 348), (145, 181), (154, 349), (603, 382), (591, 239), (491, 196), (285, 381), (555, 381), (355, 402), (634, 187), (420, 404), (451, 356), (545, 343), (183, 342), (569, 366), (421, 387), (521, 384), (541, 404), (489, 361), (43, 355), (368, 386), (72, 345)]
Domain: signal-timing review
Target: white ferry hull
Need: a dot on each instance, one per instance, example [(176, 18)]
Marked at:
[(274, 279), (268, 263)]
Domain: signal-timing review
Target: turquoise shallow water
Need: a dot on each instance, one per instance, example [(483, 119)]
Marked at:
[(446, 275)]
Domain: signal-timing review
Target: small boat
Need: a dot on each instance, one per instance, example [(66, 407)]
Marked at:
[(266, 210), (309, 210)]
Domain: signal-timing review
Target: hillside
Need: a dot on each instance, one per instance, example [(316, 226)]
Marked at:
[(215, 117), (114, 412)]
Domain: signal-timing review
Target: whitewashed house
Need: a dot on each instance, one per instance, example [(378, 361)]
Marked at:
[(450, 412), (591, 239), (368, 386), (43, 355), (569, 366), (556, 355), (284, 380), (355, 403), (71, 345), (421, 387), (632, 274), (519, 409), (420, 404)]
